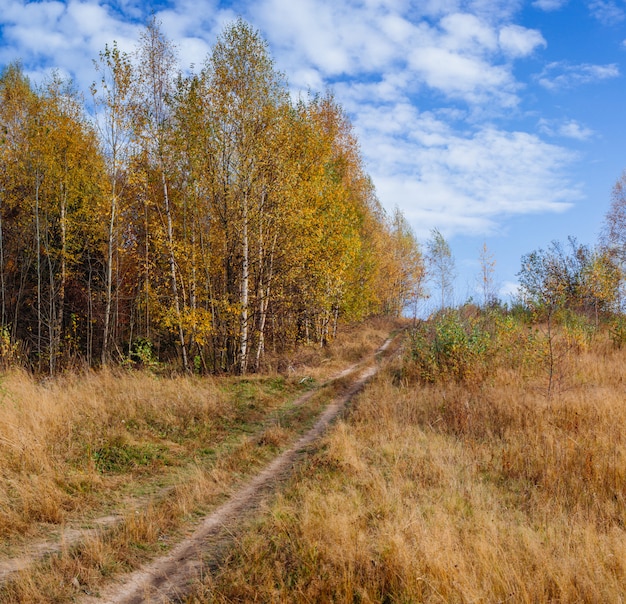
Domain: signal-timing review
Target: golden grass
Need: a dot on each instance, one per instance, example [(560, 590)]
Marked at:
[(54, 436), (352, 344), (442, 493), (155, 451)]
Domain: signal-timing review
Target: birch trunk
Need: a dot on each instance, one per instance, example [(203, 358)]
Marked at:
[(172, 261), (109, 278), (245, 283)]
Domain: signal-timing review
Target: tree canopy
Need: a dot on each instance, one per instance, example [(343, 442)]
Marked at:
[(200, 218)]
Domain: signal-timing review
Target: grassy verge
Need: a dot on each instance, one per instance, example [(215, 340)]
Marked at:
[(453, 492), (154, 452)]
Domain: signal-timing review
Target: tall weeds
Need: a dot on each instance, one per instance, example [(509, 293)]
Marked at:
[(65, 444), (469, 486)]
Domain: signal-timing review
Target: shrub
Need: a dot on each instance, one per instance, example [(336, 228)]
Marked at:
[(617, 331), (578, 330), (449, 347)]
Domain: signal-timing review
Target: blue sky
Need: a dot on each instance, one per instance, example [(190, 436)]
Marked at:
[(494, 121)]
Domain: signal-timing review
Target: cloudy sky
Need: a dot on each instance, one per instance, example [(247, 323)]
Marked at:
[(496, 121)]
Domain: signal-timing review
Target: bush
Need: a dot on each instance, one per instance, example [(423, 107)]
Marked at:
[(450, 347), (578, 329), (617, 331)]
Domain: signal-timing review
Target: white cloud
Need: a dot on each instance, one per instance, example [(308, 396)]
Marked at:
[(518, 41), (462, 183), (463, 77), (572, 129), (607, 11), (467, 32), (387, 60), (69, 35), (494, 11), (455, 53), (335, 39), (567, 128), (560, 75), (549, 5), (509, 290)]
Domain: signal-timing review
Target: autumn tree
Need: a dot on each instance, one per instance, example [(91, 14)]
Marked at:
[(614, 228), (550, 278), (247, 95), (441, 266), (613, 236), (333, 216), (404, 270), (601, 283), (53, 172), (113, 101), (199, 217), (17, 102), (71, 197), (569, 276), (486, 278)]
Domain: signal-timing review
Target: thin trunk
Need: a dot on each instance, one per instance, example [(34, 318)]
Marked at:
[(245, 282), (193, 293), (550, 356), (38, 253), (131, 329), (114, 333), (193, 287), (58, 330), (263, 306), (24, 274), (109, 279), (3, 319), (210, 297), (147, 275), (51, 304), (172, 259), (89, 312)]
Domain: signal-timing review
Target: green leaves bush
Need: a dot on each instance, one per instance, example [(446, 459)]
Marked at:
[(450, 347), (617, 331), (467, 345)]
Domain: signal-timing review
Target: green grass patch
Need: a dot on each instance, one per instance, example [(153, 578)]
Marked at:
[(118, 457)]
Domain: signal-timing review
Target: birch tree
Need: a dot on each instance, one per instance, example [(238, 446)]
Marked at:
[(17, 103), (113, 100), (155, 77), (246, 94), (441, 266), (71, 188), (486, 278)]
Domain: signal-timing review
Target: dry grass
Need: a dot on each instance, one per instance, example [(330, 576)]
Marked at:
[(155, 452), (67, 443), (444, 493), (151, 451), (352, 344)]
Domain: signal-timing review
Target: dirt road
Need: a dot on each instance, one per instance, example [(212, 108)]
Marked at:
[(168, 578)]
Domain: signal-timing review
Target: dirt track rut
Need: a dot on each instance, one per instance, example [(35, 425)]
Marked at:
[(169, 578)]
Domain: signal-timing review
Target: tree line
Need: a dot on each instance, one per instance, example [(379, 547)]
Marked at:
[(200, 218), (586, 279)]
